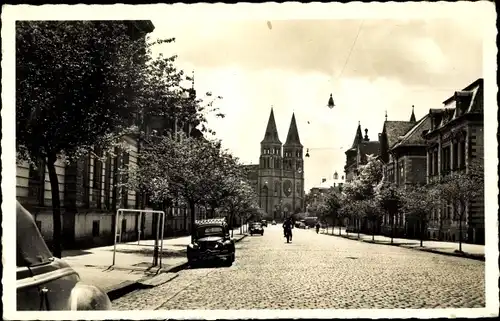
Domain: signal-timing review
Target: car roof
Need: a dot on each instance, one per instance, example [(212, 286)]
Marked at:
[(31, 248), (212, 222)]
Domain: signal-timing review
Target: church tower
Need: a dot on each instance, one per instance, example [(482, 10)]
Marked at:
[(293, 172), (270, 166)]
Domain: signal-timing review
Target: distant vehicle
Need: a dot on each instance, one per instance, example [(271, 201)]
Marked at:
[(310, 221), (264, 223), (45, 282), (302, 225), (273, 222), (256, 228), (211, 242)]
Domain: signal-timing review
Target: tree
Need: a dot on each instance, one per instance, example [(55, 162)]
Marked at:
[(419, 201), (332, 206), (241, 202), (75, 84), (389, 198), (372, 212), (85, 84), (226, 179), (363, 189), (460, 189)]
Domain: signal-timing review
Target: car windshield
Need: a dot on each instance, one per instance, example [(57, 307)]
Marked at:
[(31, 248), (210, 231), (257, 224)]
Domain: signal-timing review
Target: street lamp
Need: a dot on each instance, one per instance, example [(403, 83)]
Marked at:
[(321, 148), (331, 103)]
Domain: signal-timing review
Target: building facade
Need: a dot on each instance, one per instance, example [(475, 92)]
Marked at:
[(454, 139), (278, 179), (407, 165)]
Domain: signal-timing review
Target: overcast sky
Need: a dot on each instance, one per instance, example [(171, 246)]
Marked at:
[(369, 66)]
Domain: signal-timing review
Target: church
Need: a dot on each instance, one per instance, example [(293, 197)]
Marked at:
[(278, 179)]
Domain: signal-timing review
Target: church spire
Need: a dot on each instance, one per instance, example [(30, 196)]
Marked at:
[(293, 134), (412, 117), (359, 136), (271, 135)]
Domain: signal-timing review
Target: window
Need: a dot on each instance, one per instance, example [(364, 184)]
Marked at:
[(124, 225), (435, 164), (97, 178), (445, 159), (86, 181), (124, 180), (107, 181), (36, 182), (462, 154), (95, 228), (455, 156), (431, 168)]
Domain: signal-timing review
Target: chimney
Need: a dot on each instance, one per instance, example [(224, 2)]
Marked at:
[(366, 134)]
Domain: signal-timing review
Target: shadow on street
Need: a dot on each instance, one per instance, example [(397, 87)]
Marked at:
[(149, 252), (76, 252)]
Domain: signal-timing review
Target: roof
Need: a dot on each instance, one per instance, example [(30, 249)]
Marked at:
[(395, 129), (358, 137), (414, 135), (369, 147), (293, 134), (271, 135), (213, 221)]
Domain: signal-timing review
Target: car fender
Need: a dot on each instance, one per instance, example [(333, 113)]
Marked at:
[(88, 297)]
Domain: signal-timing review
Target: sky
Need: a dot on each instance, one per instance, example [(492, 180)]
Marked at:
[(370, 66)]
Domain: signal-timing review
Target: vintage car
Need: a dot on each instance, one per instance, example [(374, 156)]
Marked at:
[(44, 282), (273, 222), (256, 228), (264, 223), (211, 241)]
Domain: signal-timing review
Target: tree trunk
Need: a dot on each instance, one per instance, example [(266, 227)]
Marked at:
[(193, 219), (231, 219), (421, 232), (56, 206), (392, 229), (460, 229), (359, 226), (373, 230), (340, 227)]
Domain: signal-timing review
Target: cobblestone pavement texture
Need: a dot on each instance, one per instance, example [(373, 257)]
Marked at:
[(317, 271)]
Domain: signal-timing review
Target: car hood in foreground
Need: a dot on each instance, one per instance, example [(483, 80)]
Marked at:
[(210, 239)]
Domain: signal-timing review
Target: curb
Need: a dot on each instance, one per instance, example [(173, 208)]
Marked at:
[(477, 257), (129, 286)]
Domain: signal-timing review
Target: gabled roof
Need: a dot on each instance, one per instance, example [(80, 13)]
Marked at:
[(271, 135), (293, 139), (395, 129), (414, 135)]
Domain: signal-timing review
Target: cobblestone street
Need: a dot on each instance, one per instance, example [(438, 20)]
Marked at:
[(319, 272)]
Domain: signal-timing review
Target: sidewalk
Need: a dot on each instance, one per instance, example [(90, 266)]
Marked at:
[(472, 251), (133, 264)]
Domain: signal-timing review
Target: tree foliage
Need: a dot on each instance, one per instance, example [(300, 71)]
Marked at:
[(82, 84), (419, 201), (462, 188)]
